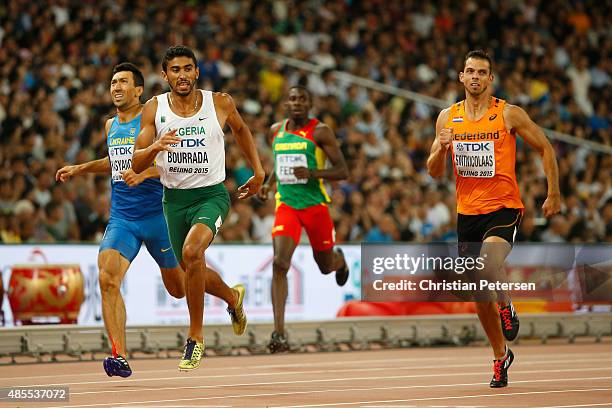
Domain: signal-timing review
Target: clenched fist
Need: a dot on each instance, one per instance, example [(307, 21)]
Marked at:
[(132, 179), (302, 172), (552, 205), (445, 137)]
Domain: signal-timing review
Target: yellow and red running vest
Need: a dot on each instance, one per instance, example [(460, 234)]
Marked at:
[(298, 149)]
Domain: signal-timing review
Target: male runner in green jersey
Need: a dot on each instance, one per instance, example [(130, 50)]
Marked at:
[(301, 146), (182, 131)]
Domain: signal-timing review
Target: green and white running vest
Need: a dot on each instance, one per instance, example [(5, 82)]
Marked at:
[(199, 159)]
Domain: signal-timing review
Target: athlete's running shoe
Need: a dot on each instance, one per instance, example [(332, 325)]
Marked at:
[(192, 355), (500, 370), (509, 321), (278, 343), (239, 320), (117, 366), (342, 274)]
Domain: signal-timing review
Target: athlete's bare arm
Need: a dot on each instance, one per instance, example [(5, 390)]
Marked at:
[(146, 147), (325, 138), (519, 122), (133, 179), (270, 184), (244, 138), (436, 163), (94, 166)]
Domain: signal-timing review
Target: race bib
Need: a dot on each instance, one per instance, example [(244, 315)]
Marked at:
[(285, 163), (120, 160), (475, 159), (187, 162)]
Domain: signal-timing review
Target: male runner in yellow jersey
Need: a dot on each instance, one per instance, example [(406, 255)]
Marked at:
[(301, 146), (182, 131), (480, 133)]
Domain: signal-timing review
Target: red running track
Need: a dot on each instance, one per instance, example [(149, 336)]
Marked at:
[(568, 375)]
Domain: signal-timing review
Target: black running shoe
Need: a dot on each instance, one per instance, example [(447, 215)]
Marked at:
[(117, 366), (342, 274), (278, 343), (509, 321), (500, 370)]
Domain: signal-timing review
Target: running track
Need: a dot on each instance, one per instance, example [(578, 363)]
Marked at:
[(567, 375)]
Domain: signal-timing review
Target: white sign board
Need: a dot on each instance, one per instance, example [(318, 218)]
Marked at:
[(312, 296)]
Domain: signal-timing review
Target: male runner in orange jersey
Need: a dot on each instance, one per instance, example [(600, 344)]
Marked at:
[(301, 146), (480, 132)]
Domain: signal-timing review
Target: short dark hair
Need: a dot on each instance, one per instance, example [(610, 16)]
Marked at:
[(128, 66), (178, 51), (302, 88), (479, 54)]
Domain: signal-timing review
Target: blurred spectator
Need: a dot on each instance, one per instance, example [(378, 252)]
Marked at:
[(384, 231), (558, 230), (263, 221)]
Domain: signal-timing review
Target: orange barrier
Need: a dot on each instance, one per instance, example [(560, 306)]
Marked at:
[(359, 308), (542, 306)]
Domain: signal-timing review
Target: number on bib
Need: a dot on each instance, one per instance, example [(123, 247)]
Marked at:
[(474, 159), (286, 163)]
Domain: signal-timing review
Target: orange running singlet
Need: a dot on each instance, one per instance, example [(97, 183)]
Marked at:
[(484, 157)]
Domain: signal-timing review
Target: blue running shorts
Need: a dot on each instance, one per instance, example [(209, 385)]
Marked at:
[(127, 237)]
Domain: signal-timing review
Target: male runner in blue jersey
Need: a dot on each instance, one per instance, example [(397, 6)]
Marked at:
[(136, 217)]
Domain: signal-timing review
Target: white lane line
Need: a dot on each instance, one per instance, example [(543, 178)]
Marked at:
[(394, 406), (545, 359), (445, 398), (330, 380), (479, 384), (285, 373), (605, 404), (139, 404)]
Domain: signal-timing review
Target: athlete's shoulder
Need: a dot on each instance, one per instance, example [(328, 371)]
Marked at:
[(445, 113), (322, 133), (150, 104), (320, 125), (497, 102), (108, 124), (512, 109), (276, 127), (514, 114), (149, 111), (322, 128), (224, 100)]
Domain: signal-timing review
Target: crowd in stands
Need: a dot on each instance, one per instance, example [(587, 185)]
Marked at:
[(551, 57)]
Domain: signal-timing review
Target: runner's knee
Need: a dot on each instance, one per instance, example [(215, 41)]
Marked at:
[(109, 282), (281, 265), (192, 254)]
